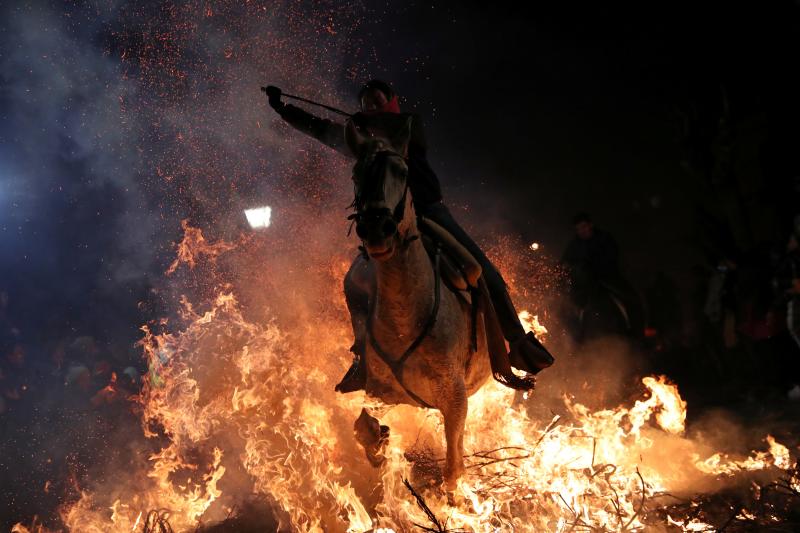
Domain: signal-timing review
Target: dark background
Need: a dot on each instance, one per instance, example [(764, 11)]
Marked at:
[(675, 125)]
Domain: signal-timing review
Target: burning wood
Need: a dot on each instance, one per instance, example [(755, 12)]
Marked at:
[(238, 407)]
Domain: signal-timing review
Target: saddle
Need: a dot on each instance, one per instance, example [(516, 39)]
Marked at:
[(463, 275), (459, 268)]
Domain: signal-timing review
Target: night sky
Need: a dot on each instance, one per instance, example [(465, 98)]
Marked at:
[(531, 116)]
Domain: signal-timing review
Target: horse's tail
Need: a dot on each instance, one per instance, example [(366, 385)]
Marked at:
[(495, 344)]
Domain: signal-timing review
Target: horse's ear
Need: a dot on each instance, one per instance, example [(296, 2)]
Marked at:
[(401, 139), (354, 138)]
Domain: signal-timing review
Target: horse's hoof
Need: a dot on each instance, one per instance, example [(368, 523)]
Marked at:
[(451, 478), (372, 436)]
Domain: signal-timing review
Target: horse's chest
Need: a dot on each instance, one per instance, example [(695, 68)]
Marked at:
[(381, 382), (420, 373)]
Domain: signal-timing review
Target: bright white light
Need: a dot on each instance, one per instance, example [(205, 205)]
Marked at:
[(258, 217), (534, 246)]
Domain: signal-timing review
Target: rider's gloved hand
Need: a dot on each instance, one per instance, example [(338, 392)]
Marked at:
[(274, 96)]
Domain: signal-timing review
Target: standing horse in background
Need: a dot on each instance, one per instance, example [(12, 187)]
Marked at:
[(421, 348)]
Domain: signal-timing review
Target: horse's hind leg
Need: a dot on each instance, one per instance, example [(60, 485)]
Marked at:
[(455, 415), (372, 436)]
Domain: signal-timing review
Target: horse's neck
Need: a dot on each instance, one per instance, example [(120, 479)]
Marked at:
[(405, 291)]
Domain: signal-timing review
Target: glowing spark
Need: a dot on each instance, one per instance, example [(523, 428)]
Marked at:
[(258, 217), (534, 246)]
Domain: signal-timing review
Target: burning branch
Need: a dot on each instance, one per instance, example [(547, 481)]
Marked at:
[(641, 504), (438, 527), (774, 506), (493, 460), (425, 509), (157, 521)]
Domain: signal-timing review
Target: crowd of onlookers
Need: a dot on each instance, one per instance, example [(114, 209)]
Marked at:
[(742, 328), (63, 399), (73, 366)]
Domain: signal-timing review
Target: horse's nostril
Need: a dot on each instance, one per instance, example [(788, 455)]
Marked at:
[(389, 227)]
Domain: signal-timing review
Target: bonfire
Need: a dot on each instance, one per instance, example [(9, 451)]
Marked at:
[(246, 428)]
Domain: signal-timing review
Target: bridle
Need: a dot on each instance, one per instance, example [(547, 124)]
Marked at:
[(373, 214)]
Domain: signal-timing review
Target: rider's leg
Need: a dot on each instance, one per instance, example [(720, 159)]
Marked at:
[(357, 298), (524, 347), (507, 314)]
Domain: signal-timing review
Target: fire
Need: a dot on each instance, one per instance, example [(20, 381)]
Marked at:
[(194, 245), (531, 323), (777, 455), (244, 407)]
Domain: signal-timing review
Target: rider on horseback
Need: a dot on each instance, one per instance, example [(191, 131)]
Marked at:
[(380, 110)]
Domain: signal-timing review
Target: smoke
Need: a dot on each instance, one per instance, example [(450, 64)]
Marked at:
[(120, 120)]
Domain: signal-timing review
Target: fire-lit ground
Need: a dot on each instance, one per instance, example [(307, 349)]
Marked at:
[(238, 405)]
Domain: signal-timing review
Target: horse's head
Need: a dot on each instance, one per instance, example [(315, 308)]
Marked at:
[(382, 201)]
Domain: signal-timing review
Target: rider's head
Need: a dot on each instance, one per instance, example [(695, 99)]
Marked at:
[(377, 96), (584, 228)]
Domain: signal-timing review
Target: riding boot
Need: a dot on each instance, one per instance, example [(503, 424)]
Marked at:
[(356, 377), (526, 352)]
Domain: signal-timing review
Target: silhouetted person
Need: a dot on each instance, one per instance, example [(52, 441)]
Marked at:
[(604, 302), (787, 283)]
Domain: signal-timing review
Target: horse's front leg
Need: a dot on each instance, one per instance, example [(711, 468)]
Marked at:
[(454, 411)]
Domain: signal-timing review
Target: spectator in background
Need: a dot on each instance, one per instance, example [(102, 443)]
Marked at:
[(721, 304), (787, 282), (603, 302)]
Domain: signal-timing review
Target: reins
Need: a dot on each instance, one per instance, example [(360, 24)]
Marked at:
[(396, 366)]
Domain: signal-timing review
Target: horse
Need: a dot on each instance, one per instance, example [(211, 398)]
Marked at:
[(420, 347)]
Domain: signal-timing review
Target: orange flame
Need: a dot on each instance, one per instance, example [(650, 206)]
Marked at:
[(231, 395), (194, 245)]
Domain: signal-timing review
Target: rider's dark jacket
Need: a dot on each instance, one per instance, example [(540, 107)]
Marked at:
[(422, 180)]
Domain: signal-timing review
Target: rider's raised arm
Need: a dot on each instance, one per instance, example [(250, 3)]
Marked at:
[(324, 130)]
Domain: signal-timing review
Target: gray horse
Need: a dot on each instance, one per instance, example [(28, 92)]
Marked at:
[(420, 348)]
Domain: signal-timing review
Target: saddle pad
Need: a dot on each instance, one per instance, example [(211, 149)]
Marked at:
[(451, 274), (465, 261)]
